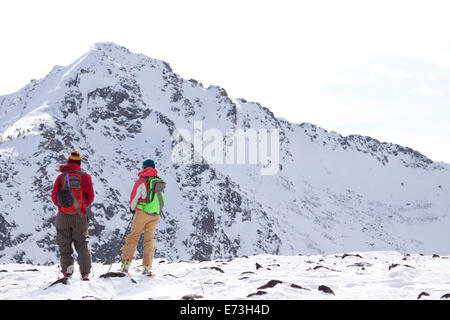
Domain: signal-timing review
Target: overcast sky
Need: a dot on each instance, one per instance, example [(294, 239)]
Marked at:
[(378, 68)]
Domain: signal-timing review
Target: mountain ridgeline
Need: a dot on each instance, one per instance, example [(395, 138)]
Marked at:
[(330, 193)]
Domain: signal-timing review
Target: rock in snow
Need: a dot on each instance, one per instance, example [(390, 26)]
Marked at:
[(270, 284), (422, 294), (326, 289)]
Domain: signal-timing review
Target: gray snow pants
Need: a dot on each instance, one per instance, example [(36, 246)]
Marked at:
[(73, 229)]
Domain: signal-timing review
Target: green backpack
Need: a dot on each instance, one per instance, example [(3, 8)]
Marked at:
[(155, 196)]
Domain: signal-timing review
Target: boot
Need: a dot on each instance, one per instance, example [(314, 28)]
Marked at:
[(125, 266), (146, 271)]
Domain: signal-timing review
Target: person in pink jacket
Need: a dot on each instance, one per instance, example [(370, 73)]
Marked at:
[(142, 221)]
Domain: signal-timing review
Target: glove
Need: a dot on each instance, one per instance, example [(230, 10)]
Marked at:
[(132, 211)]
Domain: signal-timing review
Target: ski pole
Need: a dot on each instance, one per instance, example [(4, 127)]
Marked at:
[(124, 235)]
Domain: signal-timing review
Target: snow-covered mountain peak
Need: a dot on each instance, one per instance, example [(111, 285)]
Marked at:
[(329, 193)]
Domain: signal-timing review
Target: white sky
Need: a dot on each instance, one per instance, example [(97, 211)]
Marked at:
[(378, 68)]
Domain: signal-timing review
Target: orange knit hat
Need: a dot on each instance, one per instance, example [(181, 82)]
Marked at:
[(75, 156)]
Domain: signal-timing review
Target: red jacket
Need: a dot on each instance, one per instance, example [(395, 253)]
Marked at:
[(86, 185)]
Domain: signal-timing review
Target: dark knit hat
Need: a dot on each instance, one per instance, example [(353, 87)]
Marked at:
[(149, 163), (74, 157)]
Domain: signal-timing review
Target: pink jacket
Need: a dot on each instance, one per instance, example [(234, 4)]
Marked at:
[(139, 192)]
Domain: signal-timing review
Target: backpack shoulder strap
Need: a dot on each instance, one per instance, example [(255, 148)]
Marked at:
[(148, 181), (80, 172)]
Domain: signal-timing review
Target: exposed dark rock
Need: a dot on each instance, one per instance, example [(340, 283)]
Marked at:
[(186, 261), (113, 275), (90, 298), (360, 264), (351, 255), (258, 293), (28, 270), (274, 265), (214, 268), (446, 296), (436, 256), (394, 265), (191, 297), (318, 267), (423, 293), (258, 266), (270, 284), (326, 289), (61, 280), (293, 285)]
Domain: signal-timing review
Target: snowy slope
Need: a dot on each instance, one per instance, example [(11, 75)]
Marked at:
[(358, 275), (331, 193)]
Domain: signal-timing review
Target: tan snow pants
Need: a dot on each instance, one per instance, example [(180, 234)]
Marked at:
[(141, 222)]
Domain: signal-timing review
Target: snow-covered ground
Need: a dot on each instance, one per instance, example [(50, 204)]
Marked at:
[(356, 275)]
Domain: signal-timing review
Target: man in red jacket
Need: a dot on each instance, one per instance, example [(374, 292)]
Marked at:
[(71, 222)]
